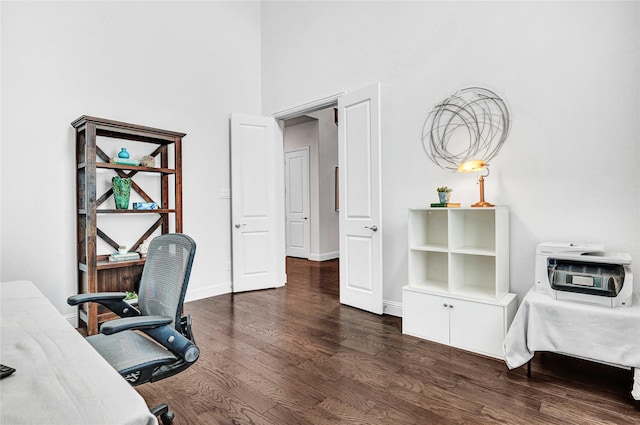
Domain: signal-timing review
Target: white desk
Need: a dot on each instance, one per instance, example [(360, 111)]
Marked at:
[(59, 378), (607, 335)]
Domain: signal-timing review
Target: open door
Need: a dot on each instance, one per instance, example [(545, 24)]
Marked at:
[(257, 254), (360, 200)]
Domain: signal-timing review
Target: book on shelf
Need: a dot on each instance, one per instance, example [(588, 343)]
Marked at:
[(124, 161), (145, 206), (124, 257), (446, 205)]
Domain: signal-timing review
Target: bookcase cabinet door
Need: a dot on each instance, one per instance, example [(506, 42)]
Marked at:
[(477, 327), (425, 316)]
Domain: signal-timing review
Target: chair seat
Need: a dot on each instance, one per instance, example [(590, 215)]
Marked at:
[(127, 351)]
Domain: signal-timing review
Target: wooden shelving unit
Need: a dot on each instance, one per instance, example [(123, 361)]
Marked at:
[(95, 272)]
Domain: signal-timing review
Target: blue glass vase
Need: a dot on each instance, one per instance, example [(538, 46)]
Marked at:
[(123, 153)]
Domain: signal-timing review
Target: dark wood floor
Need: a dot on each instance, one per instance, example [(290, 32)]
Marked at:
[(294, 355)]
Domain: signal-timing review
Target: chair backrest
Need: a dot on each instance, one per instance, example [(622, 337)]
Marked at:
[(165, 276)]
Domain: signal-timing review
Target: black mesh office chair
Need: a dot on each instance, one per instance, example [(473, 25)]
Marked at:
[(168, 347)]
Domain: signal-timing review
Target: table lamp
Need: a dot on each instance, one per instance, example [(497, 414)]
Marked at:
[(477, 165)]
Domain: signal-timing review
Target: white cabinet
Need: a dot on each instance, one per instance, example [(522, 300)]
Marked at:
[(458, 291), (477, 326)]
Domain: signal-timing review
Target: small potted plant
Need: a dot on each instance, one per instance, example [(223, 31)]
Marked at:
[(444, 193), (131, 297)]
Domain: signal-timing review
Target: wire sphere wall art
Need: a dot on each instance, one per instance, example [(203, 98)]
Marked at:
[(472, 123)]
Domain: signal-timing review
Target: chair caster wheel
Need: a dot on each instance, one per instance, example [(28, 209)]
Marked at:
[(167, 418)]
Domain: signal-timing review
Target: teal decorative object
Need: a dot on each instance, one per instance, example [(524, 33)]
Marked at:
[(123, 153), (444, 194), (121, 191)]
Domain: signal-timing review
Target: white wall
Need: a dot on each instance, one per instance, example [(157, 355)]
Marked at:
[(182, 66), (570, 72)]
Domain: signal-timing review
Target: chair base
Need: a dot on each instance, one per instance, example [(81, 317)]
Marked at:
[(166, 415)]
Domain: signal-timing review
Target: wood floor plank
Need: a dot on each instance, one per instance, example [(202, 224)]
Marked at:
[(294, 355)]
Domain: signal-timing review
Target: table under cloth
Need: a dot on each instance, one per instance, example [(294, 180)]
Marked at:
[(59, 378), (607, 335)]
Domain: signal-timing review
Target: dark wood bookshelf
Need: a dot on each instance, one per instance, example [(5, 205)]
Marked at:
[(95, 272)]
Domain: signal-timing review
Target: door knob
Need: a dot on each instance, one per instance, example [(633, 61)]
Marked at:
[(374, 228), (238, 225)]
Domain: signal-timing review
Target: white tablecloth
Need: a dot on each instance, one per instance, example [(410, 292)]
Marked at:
[(609, 335), (59, 378)]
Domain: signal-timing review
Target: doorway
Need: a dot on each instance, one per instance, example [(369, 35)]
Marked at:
[(317, 133), (257, 159)]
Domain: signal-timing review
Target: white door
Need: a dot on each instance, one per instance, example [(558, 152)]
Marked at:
[(360, 201), (254, 203), (298, 227)]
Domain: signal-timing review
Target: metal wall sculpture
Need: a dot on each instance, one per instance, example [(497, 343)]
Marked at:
[(473, 123)]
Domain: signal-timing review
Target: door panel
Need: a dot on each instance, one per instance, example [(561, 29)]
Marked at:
[(253, 205), (358, 254), (358, 160), (360, 218), (255, 244)]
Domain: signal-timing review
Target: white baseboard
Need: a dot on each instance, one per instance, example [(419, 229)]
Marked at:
[(324, 256), (392, 308), (208, 291)]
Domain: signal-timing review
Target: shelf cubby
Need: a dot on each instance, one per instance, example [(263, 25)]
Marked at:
[(473, 275), (435, 276), (428, 230)]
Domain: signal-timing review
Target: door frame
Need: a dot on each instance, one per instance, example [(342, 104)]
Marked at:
[(323, 103), (307, 108), (280, 117)]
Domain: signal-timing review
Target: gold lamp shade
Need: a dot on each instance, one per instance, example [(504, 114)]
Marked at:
[(476, 165), (472, 166)]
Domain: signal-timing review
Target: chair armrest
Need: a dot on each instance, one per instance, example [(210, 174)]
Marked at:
[(157, 327), (114, 301), (134, 323), (175, 342), (96, 297)]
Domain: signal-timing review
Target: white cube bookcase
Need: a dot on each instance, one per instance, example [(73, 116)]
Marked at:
[(458, 289)]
